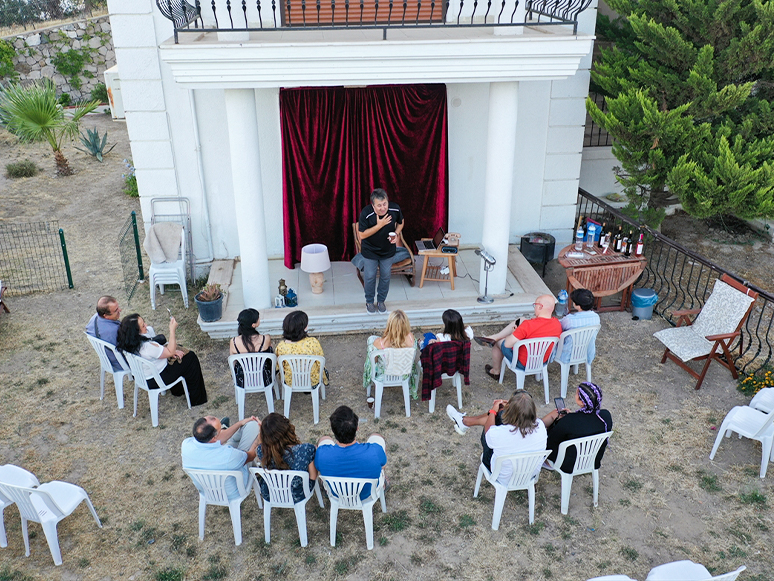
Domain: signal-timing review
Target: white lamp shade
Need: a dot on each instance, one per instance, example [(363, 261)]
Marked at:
[(314, 258)]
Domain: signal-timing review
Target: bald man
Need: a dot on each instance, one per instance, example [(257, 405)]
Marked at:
[(543, 325)]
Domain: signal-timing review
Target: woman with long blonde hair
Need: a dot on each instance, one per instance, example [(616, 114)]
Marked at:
[(397, 335)]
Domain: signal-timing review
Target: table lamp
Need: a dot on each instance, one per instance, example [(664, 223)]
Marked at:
[(315, 260)]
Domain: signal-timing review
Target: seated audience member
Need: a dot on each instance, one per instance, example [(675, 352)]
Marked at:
[(397, 335), (280, 449), (297, 342), (583, 316), (104, 324), (249, 340), (453, 330), (346, 457), (543, 325), (215, 447), (134, 337), (589, 420), (510, 427)]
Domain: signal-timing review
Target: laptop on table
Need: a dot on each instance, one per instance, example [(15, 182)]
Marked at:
[(429, 245)]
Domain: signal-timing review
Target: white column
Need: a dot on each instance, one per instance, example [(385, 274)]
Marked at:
[(248, 196), (498, 190)]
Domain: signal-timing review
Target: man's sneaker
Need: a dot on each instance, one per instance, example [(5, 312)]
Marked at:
[(381, 306), (371, 308), (226, 422), (456, 417)]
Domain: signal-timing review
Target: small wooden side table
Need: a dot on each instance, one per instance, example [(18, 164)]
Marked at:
[(433, 273)]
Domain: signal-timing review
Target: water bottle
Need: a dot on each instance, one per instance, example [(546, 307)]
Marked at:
[(561, 304), (579, 238), (591, 235)]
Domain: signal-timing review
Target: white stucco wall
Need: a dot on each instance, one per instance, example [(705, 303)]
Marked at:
[(597, 176), (166, 124)]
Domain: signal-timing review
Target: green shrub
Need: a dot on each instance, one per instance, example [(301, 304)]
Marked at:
[(130, 181), (21, 169), (99, 93), (94, 145), (7, 53), (64, 99), (70, 64)]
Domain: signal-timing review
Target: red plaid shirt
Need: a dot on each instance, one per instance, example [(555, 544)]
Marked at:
[(446, 357)]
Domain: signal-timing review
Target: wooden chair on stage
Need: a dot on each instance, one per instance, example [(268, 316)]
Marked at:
[(405, 267), (709, 336)]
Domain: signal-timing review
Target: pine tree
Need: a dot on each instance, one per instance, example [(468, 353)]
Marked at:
[(689, 87)]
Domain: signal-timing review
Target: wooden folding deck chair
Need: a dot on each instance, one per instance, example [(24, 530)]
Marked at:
[(711, 333), (3, 306), (405, 267)]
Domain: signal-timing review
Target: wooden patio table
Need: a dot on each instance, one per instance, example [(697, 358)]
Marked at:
[(603, 274)]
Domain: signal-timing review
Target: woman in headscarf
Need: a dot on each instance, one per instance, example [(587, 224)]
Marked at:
[(589, 420)]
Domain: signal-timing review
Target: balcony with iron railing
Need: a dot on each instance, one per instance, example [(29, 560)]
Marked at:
[(228, 16)]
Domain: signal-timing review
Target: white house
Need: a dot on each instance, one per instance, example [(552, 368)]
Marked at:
[(203, 113)]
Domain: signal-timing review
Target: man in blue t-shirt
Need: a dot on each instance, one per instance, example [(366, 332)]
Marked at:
[(379, 225), (345, 457)]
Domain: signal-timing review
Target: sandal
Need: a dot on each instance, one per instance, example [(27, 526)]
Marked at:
[(488, 371), (484, 341)]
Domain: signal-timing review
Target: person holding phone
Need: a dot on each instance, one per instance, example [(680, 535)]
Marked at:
[(589, 420), (510, 427), (171, 362)]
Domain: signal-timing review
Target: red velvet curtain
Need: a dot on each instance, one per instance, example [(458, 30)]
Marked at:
[(338, 144)]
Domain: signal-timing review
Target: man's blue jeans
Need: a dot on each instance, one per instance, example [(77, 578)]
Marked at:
[(369, 266)]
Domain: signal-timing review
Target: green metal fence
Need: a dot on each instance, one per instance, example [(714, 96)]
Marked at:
[(131, 255), (33, 258)]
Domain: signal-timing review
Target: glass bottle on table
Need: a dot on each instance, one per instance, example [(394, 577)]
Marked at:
[(579, 236), (629, 244), (640, 246), (617, 239)]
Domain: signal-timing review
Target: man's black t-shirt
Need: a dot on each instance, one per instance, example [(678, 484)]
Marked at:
[(378, 245)]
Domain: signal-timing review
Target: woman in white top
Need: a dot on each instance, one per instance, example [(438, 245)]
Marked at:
[(172, 363), (510, 427), (454, 329)]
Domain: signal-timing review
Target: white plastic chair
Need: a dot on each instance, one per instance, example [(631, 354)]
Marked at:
[(398, 364), (211, 485), (280, 496), (101, 347), (536, 352), (344, 493), (612, 578), (763, 401), (750, 423), (582, 337), (456, 382), (162, 273), (252, 369), (301, 374), (10, 474), (526, 471), (688, 571), (586, 455), (143, 370), (47, 504)]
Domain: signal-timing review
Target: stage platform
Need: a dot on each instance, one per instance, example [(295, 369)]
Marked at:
[(341, 306)]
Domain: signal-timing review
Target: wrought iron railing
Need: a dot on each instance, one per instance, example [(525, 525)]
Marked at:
[(33, 258), (258, 15), (596, 135), (684, 279)]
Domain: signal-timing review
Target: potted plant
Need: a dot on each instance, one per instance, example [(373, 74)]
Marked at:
[(210, 303)]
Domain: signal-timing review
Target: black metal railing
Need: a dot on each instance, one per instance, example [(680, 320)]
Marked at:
[(596, 135), (131, 255), (33, 258), (684, 279), (258, 15)]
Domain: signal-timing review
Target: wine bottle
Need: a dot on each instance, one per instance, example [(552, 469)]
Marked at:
[(603, 241), (617, 239), (640, 246), (629, 244)]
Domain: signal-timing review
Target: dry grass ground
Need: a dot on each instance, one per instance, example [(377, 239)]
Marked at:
[(661, 499)]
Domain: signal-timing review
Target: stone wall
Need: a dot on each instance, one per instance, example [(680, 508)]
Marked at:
[(92, 43)]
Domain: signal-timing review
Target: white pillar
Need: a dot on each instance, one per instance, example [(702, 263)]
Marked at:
[(248, 196), (498, 190)]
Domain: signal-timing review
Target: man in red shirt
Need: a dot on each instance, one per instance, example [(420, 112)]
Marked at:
[(543, 325)]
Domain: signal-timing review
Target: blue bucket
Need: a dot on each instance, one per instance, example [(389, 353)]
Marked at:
[(643, 300)]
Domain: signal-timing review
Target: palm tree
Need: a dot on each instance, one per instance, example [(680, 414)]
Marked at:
[(32, 113)]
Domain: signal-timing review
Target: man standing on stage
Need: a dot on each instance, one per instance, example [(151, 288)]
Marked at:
[(380, 225)]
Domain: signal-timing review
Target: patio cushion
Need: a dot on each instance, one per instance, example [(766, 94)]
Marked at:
[(684, 342)]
